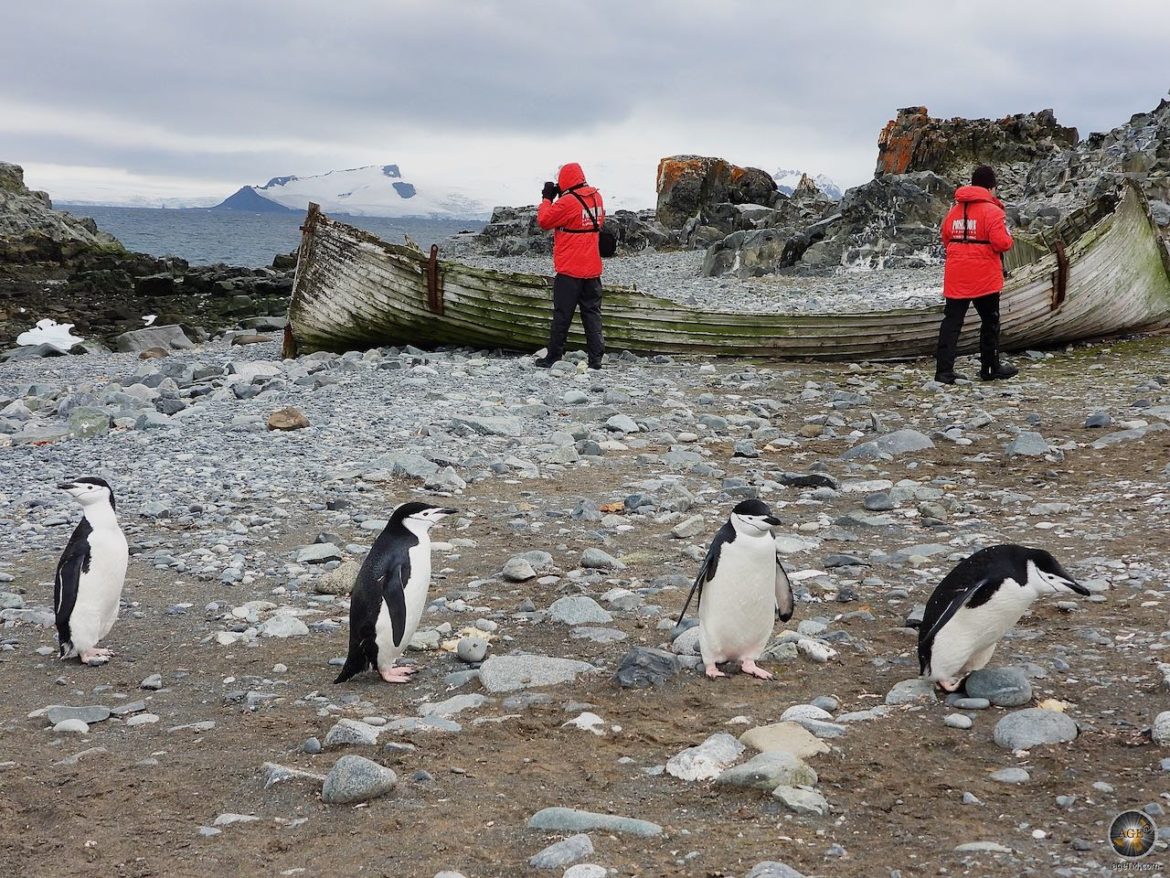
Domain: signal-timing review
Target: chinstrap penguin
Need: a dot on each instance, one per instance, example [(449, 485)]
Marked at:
[(745, 588), (976, 604), (390, 593), (90, 574)]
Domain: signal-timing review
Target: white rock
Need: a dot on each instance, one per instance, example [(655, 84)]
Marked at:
[(707, 760)]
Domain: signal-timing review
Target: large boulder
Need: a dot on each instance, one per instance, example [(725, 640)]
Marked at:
[(171, 338), (32, 231), (690, 184)]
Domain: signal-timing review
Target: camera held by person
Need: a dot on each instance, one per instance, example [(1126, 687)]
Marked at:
[(551, 191)]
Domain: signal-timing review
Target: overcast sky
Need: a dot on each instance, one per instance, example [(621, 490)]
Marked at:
[(113, 99)]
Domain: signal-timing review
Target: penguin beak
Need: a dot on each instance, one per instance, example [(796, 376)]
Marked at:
[(1068, 582), (772, 521), (67, 486), (448, 511)]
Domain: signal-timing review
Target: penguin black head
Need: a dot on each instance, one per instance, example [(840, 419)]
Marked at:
[(753, 517), (1049, 575), (415, 516), (89, 490)]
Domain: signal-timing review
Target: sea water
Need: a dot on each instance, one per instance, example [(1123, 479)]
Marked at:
[(204, 237)]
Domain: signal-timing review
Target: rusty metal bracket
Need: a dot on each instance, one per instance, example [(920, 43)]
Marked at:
[(434, 282), (1059, 277)]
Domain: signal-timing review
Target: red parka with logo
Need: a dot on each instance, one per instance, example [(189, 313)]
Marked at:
[(975, 233), (574, 253)]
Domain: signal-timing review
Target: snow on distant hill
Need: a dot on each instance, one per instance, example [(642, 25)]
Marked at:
[(786, 181), (374, 190)]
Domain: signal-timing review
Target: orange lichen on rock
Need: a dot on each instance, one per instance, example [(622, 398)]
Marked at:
[(897, 142), (913, 141)]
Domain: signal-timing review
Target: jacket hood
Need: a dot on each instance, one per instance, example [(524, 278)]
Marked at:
[(971, 194), (571, 175)]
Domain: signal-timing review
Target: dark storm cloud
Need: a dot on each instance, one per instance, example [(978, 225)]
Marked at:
[(296, 73)]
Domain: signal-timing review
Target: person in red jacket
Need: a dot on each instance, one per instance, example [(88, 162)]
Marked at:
[(577, 216), (975, 235)]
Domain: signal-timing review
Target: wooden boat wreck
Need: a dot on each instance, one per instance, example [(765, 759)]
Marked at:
[(1102, 271)]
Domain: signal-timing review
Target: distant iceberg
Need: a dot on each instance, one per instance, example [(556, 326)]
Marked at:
[(50, 332)]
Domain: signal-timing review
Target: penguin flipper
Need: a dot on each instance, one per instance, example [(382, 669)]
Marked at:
[(947, 600), (74, 562), (394, 594), (706, 574), (784, 600)]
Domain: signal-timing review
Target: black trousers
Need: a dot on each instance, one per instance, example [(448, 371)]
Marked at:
[(569, 294), (952, 324)]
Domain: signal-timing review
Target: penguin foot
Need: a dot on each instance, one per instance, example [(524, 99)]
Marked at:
[(95, 656), (950, 685), (398, 674), (750, 667), (712, 672)]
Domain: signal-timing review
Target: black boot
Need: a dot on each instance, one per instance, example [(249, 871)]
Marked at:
[(948, 377), (998, 372)]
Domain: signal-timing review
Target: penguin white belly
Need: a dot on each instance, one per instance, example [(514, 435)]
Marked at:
[(738, 607), (99, 589), (416, 601), (972, 631)]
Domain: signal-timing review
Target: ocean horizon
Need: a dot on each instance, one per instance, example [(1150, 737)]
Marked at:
[(204, 236)]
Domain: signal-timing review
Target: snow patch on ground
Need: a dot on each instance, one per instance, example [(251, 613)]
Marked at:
[(50, 332)]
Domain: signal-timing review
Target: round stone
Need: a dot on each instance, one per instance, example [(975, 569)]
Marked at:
[(1003, 687), (1033, 727), (1160, 731), (471, 649), (959, 721), (72, 727)]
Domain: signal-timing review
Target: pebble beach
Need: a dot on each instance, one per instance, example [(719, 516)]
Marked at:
[(575, 728)]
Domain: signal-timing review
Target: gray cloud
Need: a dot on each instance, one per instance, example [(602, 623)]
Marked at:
[(221, 90)]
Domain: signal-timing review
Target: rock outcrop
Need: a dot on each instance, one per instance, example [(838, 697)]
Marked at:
[(1139, 151), (892, 222), (688, 185), (952, 148), (31, 231)]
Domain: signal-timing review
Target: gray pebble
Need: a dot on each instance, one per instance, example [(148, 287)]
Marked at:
[(1011, 775), (471, 649), (563, 853), (958, 721), (356, 779)]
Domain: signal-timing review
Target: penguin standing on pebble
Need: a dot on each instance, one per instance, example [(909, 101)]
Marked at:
[(90, 574), (390, 593), (746, 588), (977, 603)]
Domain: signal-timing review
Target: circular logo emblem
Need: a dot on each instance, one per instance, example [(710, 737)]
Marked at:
[(1133, 834)]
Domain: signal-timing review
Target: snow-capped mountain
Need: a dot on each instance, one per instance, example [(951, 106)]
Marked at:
[(374, 190), (786, 181)]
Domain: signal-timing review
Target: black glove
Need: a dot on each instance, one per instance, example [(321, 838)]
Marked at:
[(550, 191)]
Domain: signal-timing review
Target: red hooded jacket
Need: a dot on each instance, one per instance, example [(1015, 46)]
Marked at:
[(973, 267), (574, 254)]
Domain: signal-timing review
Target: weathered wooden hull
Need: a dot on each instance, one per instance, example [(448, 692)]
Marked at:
[(355, 291)]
